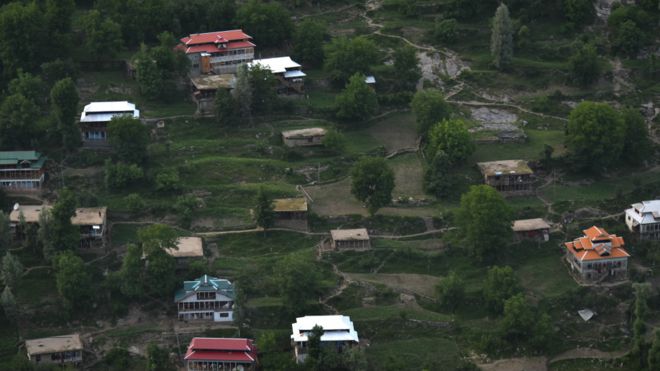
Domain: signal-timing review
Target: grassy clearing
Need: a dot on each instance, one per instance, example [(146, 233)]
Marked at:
[(532, 149), (408, 176), (433, 353), (262, 244), (395, 312), (417, 283)]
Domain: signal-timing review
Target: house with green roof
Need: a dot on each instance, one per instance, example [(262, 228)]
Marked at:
[(206, 298), (22, 171)]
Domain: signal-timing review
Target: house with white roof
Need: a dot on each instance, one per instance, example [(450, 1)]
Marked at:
[(338, 333), (287, 72), (643, 218), (95, 118), (206, 298)]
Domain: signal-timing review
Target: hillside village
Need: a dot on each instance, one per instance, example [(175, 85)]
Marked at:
[(330, 185)]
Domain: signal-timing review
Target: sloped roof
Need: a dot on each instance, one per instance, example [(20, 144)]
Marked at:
[(359, 234), (289, 204), (650, 212), (31, 213), (276, 65), (15, 157), (335, 328), (54, 344), (597, 244), (210, 42), (214, 82), (188, 247), (105, 111), (525, 225), (205, 283), (89, 216), (303, 133), (221, 349), (504, 167)]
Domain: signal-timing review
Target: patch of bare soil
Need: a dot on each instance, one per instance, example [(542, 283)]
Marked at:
[(517, 364), (417, 283)]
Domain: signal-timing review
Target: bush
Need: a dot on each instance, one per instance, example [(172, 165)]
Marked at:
[(120, 174), (168, 180), (446, 30), (134, 203)]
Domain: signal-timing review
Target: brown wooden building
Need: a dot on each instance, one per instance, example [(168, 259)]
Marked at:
[(510, 177)]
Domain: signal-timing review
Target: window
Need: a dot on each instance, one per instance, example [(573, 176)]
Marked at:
[(224, 314)]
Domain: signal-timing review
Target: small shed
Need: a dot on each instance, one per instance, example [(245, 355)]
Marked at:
[(91, 221), (534, 229), (511, 177), (55, 350), (303, 137), (188, 248), (350, 239), (290, 208), (205, 87)]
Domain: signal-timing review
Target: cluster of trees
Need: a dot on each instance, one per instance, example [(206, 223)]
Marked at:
[(158, 68), (372, 183), (598, 137)]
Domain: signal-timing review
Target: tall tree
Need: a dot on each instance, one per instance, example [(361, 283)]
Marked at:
[(73, 280), (242, 93), (519, 319), (501, 39), (637, 146), (578, 12), (484, 220), (437, 178), (64, 100), (226, 108), (640, 312), (158, 68), (159, 279), (5, 232), (158, 359), (12, 270), (308, 42), (263, 84), (372, 183), (298, 282), (500, 284), (17, 122), (406, 68), (30, 86), (103, 38), (357, 101), (594, 136), (9, 306), (453, 138), (131, 273), (429, 107), (56, 231), (269, 23), (345, 57), (314, 342), (21, 21), (654, 353), (157, 237), (263, 212), (451, 291), (129, 138), (585, 68)]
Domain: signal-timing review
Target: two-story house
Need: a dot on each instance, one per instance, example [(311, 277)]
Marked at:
[(206, 298), (96, 116), (338, 334), (509, 177), (221, 354), (64, 349), (218, 52), (288, 73), (22, 171), (643, 218), (597, 256)]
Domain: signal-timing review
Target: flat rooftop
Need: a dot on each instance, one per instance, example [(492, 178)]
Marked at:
[(213, 82), (89, 216), (494, 168), (62, 343), (525, 225), (289, 204), (188, 247), (303, 133), (359, 234), (30, 213)]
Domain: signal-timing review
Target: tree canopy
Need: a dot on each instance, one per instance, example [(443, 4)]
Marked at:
[(345, 57), (500, 284), (263, 212), (357, 101), (269, 23), (501, 39), (429, 107), (72, 279), (308, 42), (64, 100), (452, 138), (297, 281), (129, 138), (372, 183)]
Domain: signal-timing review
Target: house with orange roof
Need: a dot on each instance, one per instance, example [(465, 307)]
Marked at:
[(597, 256), (217, 52)]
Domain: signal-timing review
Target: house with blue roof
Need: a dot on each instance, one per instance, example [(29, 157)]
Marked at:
[(206, 298), (22, 171)]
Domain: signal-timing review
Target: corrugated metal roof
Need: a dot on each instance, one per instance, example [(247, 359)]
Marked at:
[(335, 328), (276, 65), (206, 283), (105, 111)]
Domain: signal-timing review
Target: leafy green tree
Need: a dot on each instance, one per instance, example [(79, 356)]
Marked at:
[(19, 22), (334, 141), (637, 146), (585, 68), (640, 312), (263, 84), (429, 107), (132, 272), (501, 39), (30, 86), (519, 319), (438, 179), (226, 108), (242, 93), (501, 284), (157, 237), (595, 136), (445, 30), (62, 235), (102, 35), (484, 220), (8, 303), (135, 203), (57, 70), (406, 68), (298, 281), (345, 57), (628, 39), (12, 270), (158, 68), (372, 183), (120, 175), (128, 138), (64, 100), (451, 291), (630, 29), (17, 123), (73, 280), (578, 12), (269, 23), (453, 138), (168, 180), (654, 353), (5, 233), (314, 343), (263, 212), (523, 37), (158, 359), (159, 279), (357, 101), (308, 42)]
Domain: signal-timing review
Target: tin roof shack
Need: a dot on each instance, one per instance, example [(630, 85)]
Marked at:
[(188, 248), (96, 116), (643, 218), (597, 256), (303, 137), (531, 229), (204, 88), (338, 334), (217, 52), (91, 221), (510, 177), (343, 239), (55, 350), (22, 171), (221, 354), (288, 73)]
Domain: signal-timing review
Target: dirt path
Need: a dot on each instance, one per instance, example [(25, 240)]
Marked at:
[(516, 364), (581, 353)]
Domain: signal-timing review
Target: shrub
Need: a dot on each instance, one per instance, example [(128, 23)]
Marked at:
[(446, 30), (168, 180), (120, 174), (134, 203)]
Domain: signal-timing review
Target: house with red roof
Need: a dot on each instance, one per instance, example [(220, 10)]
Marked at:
[(221, 354), (597, 256), (218, 52)]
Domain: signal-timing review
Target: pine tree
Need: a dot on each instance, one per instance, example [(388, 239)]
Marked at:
[(501, 39), (264, 210), (9, 305), (12, 269)]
